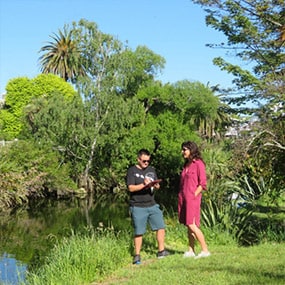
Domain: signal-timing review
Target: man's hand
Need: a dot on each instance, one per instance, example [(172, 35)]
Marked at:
[(146, 181), (156, 185)]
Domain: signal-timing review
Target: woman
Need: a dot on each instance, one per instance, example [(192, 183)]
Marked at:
[(192, 182)]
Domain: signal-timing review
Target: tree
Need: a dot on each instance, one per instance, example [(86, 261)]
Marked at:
[(20, 92), (122, 108), (202, 106), (114, 74), (255, 31), (138, 69), (196, 103), (62, 57)]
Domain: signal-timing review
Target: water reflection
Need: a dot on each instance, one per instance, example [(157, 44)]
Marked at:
[(28, 234), (11, 271)]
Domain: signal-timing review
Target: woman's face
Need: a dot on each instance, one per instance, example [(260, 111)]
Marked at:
[(185, 152)]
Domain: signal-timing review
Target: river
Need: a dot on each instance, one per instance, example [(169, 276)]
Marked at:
[(27, 234)]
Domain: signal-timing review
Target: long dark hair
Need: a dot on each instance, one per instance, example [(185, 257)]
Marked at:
[(194, 152)]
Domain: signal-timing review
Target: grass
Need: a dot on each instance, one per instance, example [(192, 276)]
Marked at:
[(81, 259), (101, 256), (263, 264)]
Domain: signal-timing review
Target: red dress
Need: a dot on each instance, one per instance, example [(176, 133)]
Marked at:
[(191, 177)]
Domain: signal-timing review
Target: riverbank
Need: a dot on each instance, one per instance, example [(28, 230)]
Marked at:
[(105, 258)]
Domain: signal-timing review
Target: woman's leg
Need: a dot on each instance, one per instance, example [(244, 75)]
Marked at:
[(191, 239), (199, 236)]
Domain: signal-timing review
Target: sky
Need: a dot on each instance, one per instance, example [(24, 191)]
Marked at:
[(174, 29)]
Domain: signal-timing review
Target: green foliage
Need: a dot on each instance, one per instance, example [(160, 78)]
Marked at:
[(84, 258), (63, 57), (233, 203), (123, 109), (219, 209), (255, 32), (231, 218), (137, 69), (10, 126), (196, 98), (220, 178), (20, 92), (101, 135), (244, 78), (266, 163), (100, 53), (258, 162), (91, 138), (31, 170), (48, 84)]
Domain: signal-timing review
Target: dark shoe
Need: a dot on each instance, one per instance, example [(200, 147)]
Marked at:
[(137, 259), (162, 254)]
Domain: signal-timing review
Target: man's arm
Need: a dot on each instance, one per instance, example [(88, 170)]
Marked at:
[(135, 188), (138, 187)]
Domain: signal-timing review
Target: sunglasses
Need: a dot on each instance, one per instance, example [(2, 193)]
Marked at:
[(145, 161), (184, 149)]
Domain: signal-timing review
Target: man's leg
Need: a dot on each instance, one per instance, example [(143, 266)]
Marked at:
[(138, 244), (160, 234), (157, 222)]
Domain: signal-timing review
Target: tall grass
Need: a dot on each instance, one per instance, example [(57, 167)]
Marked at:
[(81, 259)]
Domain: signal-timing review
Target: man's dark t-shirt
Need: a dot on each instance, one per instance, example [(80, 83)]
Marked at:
[(143, 198)]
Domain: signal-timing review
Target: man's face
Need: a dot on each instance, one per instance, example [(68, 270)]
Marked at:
[(144, 161)]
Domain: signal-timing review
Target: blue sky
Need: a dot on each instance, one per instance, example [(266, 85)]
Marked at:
[(174, 29)]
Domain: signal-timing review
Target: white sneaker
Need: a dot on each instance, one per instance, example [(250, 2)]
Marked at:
[(203, 254), (189, 254)]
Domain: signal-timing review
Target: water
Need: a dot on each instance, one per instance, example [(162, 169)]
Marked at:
[(28, 234), (12, 271)]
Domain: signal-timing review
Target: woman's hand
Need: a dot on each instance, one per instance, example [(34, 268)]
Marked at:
[(197, 192)]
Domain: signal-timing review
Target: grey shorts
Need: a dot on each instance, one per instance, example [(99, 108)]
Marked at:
[(142, 216)]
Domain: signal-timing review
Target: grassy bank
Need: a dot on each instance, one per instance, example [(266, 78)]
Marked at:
[(101, 256), (228, 265)]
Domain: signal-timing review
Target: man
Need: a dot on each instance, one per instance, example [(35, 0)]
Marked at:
[(143, 207)]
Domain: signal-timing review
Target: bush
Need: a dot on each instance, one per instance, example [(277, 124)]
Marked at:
[(29, 170)]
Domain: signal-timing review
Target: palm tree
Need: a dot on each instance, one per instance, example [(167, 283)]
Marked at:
[(62, 57)]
